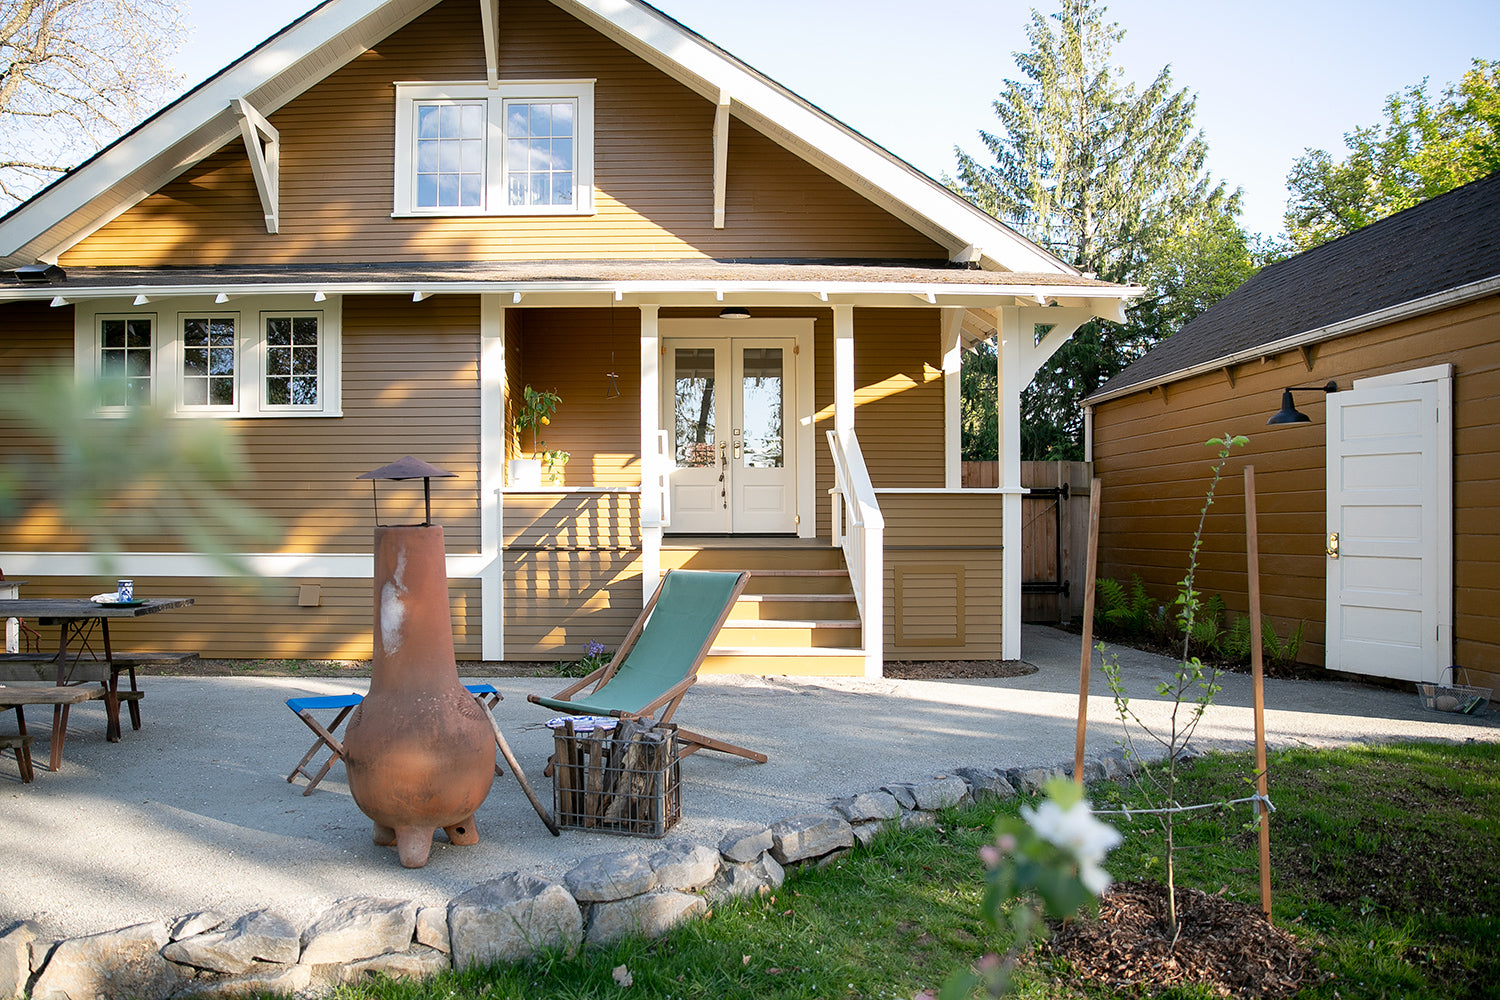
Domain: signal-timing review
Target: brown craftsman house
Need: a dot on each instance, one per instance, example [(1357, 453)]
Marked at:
[(1377, 513), (365, 238)]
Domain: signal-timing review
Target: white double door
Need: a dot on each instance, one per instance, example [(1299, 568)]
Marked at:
[(728, 409)]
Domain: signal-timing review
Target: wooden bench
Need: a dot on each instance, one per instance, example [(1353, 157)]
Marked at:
[(61, 699), (39, 667), (21, 744)]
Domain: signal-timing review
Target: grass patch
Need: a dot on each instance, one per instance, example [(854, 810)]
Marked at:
[(1384, 863)]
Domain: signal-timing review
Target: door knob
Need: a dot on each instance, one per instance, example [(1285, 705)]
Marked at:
[(1333, 545)]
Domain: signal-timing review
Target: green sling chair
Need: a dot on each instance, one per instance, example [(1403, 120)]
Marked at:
[(659, 659)]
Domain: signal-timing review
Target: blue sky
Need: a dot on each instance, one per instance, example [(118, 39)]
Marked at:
[(1273, 77)]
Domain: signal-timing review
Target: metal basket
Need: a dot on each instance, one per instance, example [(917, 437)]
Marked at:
[(623, 779), (1464, 699)]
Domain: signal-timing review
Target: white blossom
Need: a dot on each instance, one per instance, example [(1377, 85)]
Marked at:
[(1076, 831)]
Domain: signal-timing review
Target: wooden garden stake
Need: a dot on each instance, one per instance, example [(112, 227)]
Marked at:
[(1257, 676), (1088, 628)]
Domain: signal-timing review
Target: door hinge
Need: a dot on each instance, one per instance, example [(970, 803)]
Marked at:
[(796, 348)]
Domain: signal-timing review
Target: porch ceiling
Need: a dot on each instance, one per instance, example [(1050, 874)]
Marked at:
[(543, 284)]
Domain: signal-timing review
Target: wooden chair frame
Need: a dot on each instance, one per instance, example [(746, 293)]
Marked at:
[(670, 699)]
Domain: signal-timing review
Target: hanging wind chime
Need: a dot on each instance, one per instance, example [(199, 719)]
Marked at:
[(611, 380)]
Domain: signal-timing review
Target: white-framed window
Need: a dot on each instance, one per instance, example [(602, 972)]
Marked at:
[(255, 357), (525, 148)]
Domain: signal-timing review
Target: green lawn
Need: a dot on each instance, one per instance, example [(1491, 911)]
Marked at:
[(1386, 861)]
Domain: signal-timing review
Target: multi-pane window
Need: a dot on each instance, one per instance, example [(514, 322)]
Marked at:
[(259, 357), (539, 144), (125, 360), (450, 155), (522, 148), (292, 367), (208, 361)]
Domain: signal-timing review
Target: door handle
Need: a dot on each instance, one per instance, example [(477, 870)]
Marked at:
[(1333, 545)]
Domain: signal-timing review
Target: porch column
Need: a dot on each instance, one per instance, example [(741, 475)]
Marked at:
[(491, 476), (652, 470), (1008, 408), (953, 429), (843, 371)]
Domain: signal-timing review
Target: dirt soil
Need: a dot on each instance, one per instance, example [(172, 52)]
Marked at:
[(1224, 945), (925, 670)]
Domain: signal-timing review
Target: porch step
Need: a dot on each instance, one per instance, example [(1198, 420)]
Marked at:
[(797, 615), (785, 660), (819, 634), (794, 607)]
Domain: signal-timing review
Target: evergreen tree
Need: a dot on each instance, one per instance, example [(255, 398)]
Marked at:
[(1420, 151), (1112, 181)]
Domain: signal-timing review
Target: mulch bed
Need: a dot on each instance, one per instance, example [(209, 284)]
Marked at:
[(924, 670), (1225, 945)]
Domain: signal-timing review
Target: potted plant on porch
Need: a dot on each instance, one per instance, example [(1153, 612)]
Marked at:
[(535, 413)]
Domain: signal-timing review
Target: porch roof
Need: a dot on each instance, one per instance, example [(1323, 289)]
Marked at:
[(599, 282)]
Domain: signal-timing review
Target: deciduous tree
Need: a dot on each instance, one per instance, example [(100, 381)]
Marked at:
[(74, 74), (1421, 150)]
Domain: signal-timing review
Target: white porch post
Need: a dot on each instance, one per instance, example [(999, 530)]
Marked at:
[(953, 431), (1009, 410), (843, 371), (651, 470), (491, 476)]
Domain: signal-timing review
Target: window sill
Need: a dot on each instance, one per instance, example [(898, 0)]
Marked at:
[(559, 213)]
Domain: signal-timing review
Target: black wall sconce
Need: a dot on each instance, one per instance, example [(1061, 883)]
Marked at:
[(1289, 414)]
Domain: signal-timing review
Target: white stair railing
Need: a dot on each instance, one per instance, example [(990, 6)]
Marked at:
[(859, 529)]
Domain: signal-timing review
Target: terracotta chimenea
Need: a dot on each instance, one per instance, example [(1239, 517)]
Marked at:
[(419, 752)]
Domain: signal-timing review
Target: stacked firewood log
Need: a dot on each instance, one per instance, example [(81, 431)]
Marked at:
[(620, 780)]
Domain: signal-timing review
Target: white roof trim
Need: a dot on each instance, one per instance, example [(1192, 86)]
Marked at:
[(196, 125), (1101, 301), (815, 136), (337, 31), (1343, 328)]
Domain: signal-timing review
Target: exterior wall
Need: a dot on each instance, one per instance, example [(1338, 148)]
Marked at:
[(261, 619), (653, 174), (943, 575), (572, 571), (1149, 455)]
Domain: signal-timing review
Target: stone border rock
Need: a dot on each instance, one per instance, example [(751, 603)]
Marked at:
[(606, 898)]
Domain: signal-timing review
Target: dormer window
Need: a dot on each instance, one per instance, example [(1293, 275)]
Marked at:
[(522, 149)]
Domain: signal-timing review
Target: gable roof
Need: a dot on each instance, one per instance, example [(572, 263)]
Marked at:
[(335, 32), (1434, 255)]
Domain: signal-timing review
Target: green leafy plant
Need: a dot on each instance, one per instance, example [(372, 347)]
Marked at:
[(1127, 609), (1190, 690), (535, 413), (595, 655), (1281, 652), (552, 464)]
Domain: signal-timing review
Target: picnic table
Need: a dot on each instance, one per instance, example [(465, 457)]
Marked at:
[(85, 654)]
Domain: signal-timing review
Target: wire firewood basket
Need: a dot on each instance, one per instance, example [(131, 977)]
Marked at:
[(1465, 699), (616, 776)]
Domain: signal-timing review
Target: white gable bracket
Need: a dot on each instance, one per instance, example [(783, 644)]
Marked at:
[(1064, 321), (263, 144), (721, 157), (489, 22)]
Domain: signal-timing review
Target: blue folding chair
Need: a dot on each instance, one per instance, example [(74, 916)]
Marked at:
[(485, 694)]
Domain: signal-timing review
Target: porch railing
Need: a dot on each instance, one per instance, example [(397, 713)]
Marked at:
[(859, 529)]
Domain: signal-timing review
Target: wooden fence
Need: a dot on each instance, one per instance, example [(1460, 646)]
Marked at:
[(1054, 534)]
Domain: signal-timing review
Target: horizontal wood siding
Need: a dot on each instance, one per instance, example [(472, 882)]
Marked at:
[(946, 550), (653, 171), (410, 387), (898, 396), (572, 572), (260, 619), (572, 521), (1149, 454), (568, 351)]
